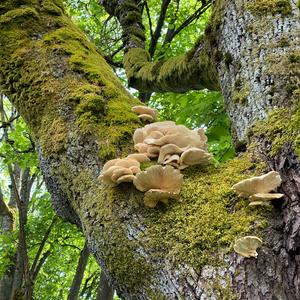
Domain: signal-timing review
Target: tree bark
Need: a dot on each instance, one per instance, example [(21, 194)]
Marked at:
[(105, 290), (80, 117)]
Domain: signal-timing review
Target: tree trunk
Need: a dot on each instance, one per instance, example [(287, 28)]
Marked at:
[(82, 262), (80, 117), (105, 291)]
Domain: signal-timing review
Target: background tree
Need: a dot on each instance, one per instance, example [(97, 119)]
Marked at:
[(50, 246), (79, 115)]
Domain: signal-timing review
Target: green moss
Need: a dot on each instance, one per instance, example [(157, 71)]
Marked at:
[(240, 95), (53, 137), (208, 218), (108, 205), (281, 127), (270, 7), (17, 15)]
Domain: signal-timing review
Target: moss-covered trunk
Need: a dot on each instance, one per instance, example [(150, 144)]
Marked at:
[(80, 116)]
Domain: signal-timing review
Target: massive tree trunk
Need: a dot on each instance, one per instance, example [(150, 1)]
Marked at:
[(80, 116)]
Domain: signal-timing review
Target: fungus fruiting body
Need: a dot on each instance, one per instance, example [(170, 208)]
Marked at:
[(246, 246), (145, 113), (258, 189), (167, 140), (159, 183), (120, 170)]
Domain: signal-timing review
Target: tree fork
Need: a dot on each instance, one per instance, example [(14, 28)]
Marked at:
[(80, 116)]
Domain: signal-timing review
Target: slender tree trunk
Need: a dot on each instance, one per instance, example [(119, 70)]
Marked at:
[(80, 117), (105, 291), (82, 262)]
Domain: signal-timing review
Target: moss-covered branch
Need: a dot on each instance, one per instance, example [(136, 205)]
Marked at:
[(194, 70)]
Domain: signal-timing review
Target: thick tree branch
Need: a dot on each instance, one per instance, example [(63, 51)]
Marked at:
[(195, 70)]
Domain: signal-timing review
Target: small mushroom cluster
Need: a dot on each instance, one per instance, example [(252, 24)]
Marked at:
[(174, 145), (120, 170), (258, 189), (145, 113)]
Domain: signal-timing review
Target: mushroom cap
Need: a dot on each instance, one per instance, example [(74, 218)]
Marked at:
[(140, 157), (146, 117), (168, 149), (127, 162), (194, 156), (140, 110), (110, 163), (141, 147), (153, 196), (125, 178), (138, 136), (265, 196), (134, 169), (153, 151), (171, 159), (258, 185), (246, 246), (259, 203), (121, 171), (160, 178)]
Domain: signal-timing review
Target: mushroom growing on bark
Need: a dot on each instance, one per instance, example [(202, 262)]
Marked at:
[(119, 170), (258, 189), (159, 183), (145, 113), (246, 246), (167, 140)]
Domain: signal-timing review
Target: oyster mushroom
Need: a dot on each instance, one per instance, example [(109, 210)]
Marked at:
[(145, 113), (257, 185), (258, 189), (119, 170), (194, 156), (159, 183), (246, 246)]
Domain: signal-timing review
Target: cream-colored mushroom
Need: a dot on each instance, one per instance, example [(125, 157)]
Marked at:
[(140, 110), (246, 246), (194, 156), (153, 151), (126, 178), (171, 159), (146, 117), (265, 196), (153, 196), (140, 157), (258, 185), (114, 169), (162, 183), (169, 149)]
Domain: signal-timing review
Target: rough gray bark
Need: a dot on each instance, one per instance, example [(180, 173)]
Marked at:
[(253, 72)]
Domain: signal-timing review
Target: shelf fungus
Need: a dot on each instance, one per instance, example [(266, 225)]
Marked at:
[(145, 113), (159, 183), (246, 246), (258, 189), (120, 170)]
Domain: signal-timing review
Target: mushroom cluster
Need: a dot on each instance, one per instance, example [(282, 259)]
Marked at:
[(145, 113), (246, 246), (159, 183), (120, 170), (175, 145), (258, 189)]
